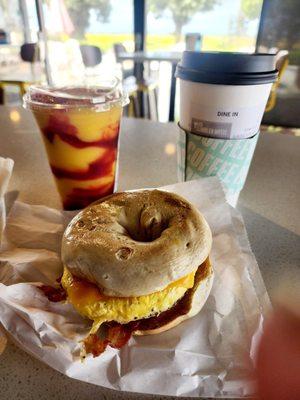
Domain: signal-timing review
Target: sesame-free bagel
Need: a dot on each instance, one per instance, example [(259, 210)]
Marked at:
[(136, 243)]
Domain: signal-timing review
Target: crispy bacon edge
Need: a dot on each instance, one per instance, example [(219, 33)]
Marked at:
[(54, 294)]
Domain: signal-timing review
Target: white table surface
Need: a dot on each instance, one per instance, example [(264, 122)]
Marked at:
[(269, 203)]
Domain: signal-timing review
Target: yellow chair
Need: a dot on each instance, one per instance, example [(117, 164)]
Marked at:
[(148, 89), (282, 61), (29, 53), (149, 92), (21, 85)]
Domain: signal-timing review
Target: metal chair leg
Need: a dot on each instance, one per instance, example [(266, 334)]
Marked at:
[(153, 104)]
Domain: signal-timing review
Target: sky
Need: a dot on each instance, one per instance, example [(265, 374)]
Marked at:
[(214, 22)]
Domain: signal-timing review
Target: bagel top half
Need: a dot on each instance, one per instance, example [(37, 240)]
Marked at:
[(136, 243)]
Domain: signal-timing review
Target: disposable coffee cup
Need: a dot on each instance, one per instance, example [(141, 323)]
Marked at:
[(223, 95), (229, 160)]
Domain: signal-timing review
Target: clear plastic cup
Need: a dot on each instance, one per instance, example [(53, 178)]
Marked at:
[(80, 128)]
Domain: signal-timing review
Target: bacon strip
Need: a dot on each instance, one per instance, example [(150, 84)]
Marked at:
[(117, 336), (54, 294), (94, 345)]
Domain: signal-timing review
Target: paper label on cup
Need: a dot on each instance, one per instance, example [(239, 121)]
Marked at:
[(226, 123), (228, 159), (181, 156)]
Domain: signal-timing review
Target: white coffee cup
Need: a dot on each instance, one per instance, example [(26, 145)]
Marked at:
[(223, 95)]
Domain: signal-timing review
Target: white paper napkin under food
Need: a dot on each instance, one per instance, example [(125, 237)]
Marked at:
[(210, 355)]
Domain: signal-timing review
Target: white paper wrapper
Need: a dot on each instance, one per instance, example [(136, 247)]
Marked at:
[(6, 166), (210, 355)]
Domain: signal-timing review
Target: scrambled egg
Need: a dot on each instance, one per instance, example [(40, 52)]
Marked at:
[(91, 303)]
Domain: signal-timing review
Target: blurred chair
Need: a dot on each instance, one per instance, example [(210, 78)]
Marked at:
[(91, 55), (29, 52), (4, 37), (145, 91), (21, 85), (193, 41), (282, 61), (131, 88), (149, 90), (127, 66)]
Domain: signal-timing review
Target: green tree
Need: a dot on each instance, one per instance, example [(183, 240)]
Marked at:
[(79, 11), (249, 10), (182, 10)]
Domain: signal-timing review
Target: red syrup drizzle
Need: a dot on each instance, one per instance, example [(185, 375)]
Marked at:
[(59, 125), (96, 169), (80, 198)]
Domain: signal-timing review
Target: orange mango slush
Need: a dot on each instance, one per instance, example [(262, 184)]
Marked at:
[(82, 147)]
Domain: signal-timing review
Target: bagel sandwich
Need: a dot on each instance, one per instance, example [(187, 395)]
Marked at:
[(136, 263)]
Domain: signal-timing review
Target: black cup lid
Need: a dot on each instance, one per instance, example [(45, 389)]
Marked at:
[(227, 68)]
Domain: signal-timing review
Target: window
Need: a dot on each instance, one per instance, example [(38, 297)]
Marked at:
[(100, 23), (14, 31), (286, 15), (230, 25), (11, 22), (209, 25)]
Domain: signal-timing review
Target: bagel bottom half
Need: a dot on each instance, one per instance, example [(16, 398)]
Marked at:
[(194, 300)]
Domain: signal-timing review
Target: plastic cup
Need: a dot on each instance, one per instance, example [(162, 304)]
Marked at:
[(80, 129), (229, 160), (223, 95)]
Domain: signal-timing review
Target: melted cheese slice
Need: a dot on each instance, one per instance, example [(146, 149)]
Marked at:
[(91, 303)]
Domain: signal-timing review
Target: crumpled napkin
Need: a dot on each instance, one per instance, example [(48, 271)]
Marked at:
[(210, 355)]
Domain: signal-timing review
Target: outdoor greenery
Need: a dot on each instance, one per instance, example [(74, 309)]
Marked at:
[(182, 10), (251, 9), (165, 42), (79, 11), (106, 40)]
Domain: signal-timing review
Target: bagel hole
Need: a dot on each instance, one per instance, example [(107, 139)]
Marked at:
[(146, 234), (188, 245)]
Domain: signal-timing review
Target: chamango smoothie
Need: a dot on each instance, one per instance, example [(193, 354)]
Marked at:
[(80, 129)]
